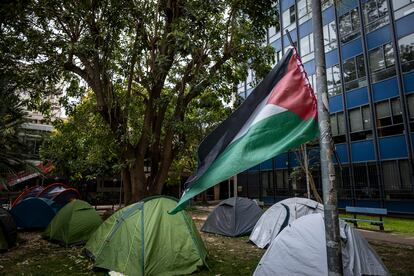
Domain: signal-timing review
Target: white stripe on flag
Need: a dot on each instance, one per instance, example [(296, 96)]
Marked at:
[(261, 112)]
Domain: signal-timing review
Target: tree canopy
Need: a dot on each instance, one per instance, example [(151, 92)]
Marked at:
[(149, 65)]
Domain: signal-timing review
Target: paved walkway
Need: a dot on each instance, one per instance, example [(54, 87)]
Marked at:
[(387, 237)]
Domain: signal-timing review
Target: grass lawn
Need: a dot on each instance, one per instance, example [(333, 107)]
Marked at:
[(227, 256), (395, 225)]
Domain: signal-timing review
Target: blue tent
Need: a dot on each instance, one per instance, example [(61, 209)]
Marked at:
[(34, 212)]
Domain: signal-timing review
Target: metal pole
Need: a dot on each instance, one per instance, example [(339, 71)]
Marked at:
[(333, 241), (235, 185), (305, 160)]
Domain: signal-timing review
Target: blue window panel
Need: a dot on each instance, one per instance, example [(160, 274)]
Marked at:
[(346, 6), (286, 4), (385, 89), (408, 82), (335, 103), (313, 155), (368, 203), (281, 161), (331, 58), (293, 162), (305, 28), (405, 25), (342, 203), (379, 37), (254, 169), (412, 138), (357, 97), (266, 165), (310, 67), (392, 147), (352, 48), (328, 15), (277, 44), (403, 207), (341, 150), (362, 151), (294, 36), (249, 91)]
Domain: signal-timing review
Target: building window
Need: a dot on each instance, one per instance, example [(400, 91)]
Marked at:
[(338, 127), (278, 57), (289, 17), (360, 123), (366, 183), (306, 48), (402, 8), (389, 117), (410, 104), (382, 62), (282, 182), (326, 4), (406, 45), (267, 183), (274, 31), (349, 25), (397, 177), (329, 36), (333, 76), (405, 173), (304, 10), (312, 80), (354, 73), (375, 14)]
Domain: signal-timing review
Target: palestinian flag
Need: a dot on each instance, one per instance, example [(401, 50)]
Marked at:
[(280, 114)]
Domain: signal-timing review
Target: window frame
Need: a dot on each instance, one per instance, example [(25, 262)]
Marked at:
[(388, 70), (380, 20), (355, 28), (360, 79)]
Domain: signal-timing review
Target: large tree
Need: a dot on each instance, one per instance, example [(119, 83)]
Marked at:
[(82, 147), (147, 63)]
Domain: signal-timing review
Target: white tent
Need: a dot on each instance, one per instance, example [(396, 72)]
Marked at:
[(279, 216), (300, 249)]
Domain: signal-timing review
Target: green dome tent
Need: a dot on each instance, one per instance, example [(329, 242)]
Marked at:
[(143, 239), (74, 223)]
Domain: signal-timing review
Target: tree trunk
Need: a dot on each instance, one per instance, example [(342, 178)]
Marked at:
[(133, 176)]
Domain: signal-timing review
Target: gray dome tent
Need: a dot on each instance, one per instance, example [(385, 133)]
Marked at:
[(233, 217), (300, 249), (279, 216)]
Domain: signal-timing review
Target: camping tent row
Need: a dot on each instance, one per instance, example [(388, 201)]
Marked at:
[(294, 231), (300, 249), (36, 207), (238, 216)]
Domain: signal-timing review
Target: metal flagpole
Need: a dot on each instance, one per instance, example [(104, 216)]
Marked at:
[(305, 159), (333, 241)]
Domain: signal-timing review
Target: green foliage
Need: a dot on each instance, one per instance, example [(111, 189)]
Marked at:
[(13, 154), (82, 146), (154, 67)]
